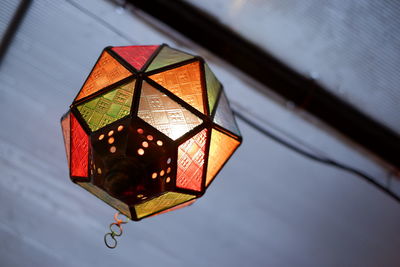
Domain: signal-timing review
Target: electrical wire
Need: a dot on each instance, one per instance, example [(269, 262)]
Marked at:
[(261, 129), (308, 155)]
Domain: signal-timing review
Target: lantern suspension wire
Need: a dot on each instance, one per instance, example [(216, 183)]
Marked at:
[(112, 234), (311, 156)]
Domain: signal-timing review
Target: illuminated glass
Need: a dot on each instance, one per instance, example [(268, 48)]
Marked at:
[(164, 114), (108, 107), (79, 149), (165, 201), (222, 147), (167, 56), (66, 129), (190, 202), (136, 55), (191, 161), (213, 87), (106, 72), (184, 82)]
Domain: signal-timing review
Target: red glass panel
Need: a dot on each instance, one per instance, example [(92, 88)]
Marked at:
[(191, 162), (66, 129), (79, 149), (137, 56)]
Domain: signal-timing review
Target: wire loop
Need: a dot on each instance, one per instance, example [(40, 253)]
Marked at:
[(115, 230)]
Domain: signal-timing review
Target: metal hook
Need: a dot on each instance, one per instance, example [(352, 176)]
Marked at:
[(113, 233)]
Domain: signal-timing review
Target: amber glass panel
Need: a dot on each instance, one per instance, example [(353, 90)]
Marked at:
[(176, 207), (79, 149), (137, 56), (191, 162), (106, 72), (221, 148), (108, 107), (184, 82), (66, 129), (160, 203), (224, 116), (213, 87), (167, 56), (165, 114), (113, 202)]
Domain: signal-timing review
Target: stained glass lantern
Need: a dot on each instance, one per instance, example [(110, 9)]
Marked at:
[(149, 130)]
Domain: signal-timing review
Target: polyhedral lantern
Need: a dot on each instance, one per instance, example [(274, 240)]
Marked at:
[(149, 130)]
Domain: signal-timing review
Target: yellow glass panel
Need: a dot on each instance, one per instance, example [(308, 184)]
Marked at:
[(165, 201), (221, 148), (106, 72), (180, 206), (184, 82), (113, 202)]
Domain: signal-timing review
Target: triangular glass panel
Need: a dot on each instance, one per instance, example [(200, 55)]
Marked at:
[(184, 82), (136, 55), (213, 87), (66, 131), (191, 162), (79, 149), (167, 56), (224, 116), (164, 114), (222, 147), (108, 107), (165, 201), (106, 72)]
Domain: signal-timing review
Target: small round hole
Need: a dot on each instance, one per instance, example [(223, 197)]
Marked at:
[(145, 144), (140, 196), (162, 172), (154, 175), (140, 151), (169, 170), (98, 170), (150, 137), (140, 131), (120, 128), (111, 140), (113, 149), (159, 142), (168, 180), (110, 133), (101, 137), (169, 160), (144, 198)]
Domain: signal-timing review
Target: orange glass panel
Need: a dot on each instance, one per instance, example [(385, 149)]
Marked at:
[(184, 82), (191, 161), (79, 149), (113, 202), (106, 72), (165, 201), (164, 114), (222, 147), (136, 55), (176, 207), (66, 126)]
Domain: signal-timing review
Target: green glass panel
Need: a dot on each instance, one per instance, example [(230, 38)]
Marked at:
[(213, 87), (167, 56), (108, 107), (224, 116)]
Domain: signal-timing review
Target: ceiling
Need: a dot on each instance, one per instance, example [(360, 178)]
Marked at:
[(268, 207)]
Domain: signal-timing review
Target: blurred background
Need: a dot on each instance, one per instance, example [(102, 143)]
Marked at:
[(321, 75)]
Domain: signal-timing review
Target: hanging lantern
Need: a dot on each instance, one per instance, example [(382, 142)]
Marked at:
[(149, 130)]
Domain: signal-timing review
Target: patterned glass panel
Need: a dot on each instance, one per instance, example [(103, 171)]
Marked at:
[(213, 87), (184, 82), (165, 114), (176, 207), (224, 116), (191, 162), (106, 72), (167, 56), (108, 107), (137, 56), (113, 202), (66, 129), (79, 149), (165, 201), (221, 148)]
